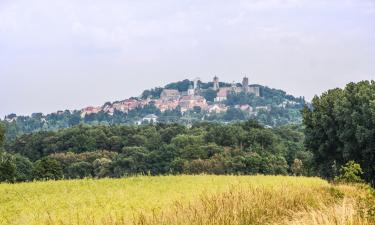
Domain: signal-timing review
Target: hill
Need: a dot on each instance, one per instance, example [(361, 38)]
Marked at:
[(210, 200), (185, 102)]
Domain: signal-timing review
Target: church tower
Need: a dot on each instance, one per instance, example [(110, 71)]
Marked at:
[(216, 85)]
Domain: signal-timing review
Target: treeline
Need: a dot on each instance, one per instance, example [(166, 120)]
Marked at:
[(117, 151)]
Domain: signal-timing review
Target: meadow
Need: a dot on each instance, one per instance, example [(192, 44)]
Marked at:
[(203, 199)]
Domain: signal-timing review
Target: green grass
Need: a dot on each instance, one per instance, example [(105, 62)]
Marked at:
[(200, 199)]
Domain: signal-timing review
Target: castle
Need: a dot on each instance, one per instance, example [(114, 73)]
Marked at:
[(222, 92)]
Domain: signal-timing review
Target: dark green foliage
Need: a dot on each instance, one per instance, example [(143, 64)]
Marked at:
[(24, 168), (117, 151), (209, 94), (47, 169), (8, 168), (80, 170), (340, 127), (234, 114), (180, 86), (153, 93), (2, 135)]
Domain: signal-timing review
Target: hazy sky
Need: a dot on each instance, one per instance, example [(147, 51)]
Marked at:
[(68, 54)]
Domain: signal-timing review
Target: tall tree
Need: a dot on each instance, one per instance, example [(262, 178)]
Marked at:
[(340, 127)]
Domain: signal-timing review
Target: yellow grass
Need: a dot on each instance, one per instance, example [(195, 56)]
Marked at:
[(182, 200)]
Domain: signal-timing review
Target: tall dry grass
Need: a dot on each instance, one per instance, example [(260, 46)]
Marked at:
[(185, 200), (243, 205)]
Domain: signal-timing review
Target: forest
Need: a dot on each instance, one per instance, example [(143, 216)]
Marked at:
[(120, 150)]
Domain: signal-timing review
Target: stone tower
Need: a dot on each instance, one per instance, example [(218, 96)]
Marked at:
[(216, 85), (245, 85), (196, 83)]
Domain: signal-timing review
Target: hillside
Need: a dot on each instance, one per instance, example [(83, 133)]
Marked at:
[(185, 102), (172, 200)]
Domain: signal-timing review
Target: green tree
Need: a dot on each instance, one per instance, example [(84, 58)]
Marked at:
[(102, 167), (8, 168), (350, 173), (2, 135), (80, 170), (24, 168), (47, 169), (339, 127)]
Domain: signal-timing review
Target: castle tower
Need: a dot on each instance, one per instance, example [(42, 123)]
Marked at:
[(196, 83), (216, 85), (245, 84)]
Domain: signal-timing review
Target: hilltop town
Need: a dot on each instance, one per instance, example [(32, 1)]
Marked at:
[(192, 98), (184, 102)]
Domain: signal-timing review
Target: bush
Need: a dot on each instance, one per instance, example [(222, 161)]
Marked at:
[(350, 173)]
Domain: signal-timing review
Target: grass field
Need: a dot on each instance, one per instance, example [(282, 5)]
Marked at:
[(182, 200)]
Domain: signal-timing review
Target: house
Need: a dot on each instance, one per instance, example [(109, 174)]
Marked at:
[(246, 108), (221, 95), (90, 110), (191, 101), (216, 108), (170, 94), (166, 105), (151, 118)]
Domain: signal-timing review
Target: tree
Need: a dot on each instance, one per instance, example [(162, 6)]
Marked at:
[(7, 168), (24, 168), (340, 127), (80, 170), (350, 173), (234, 114), (102, 167), (297, 167), (47, 169), (209, 95), (2, 135)]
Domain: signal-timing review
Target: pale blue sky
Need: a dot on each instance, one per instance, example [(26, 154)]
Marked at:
[(68, 54)]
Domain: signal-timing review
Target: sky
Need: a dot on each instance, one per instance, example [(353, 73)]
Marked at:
[(69, 54)]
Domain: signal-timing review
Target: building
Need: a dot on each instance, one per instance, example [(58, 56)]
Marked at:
[(216, 84), (250, 89), (191, 90), (151, 118), (254, 90), (246, 108), (196, 83), (90, 110), (222, 94), (170, 94), (245, 84), (191, 101), (166, 105), (216, 108)]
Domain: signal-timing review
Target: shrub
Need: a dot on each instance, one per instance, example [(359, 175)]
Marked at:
[(350, 173)]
